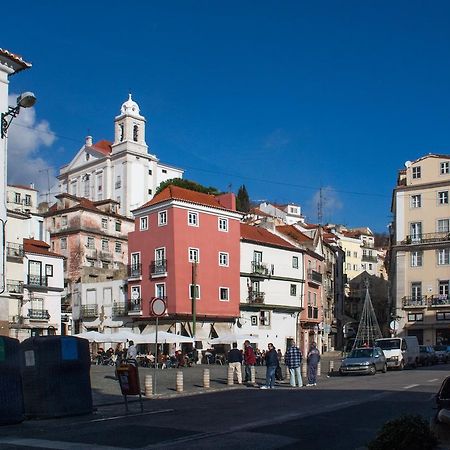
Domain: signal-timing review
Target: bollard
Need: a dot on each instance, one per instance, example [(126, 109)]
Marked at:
[(319, 369), (288, 374), (148, 386), (304, 371), (230, 376), (253, 374), (179, 383), (331, 367), (206, 378)]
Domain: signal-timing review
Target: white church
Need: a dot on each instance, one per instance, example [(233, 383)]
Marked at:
[(122, 170)]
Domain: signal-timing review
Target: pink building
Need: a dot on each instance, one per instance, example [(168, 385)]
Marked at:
[(178, 230)]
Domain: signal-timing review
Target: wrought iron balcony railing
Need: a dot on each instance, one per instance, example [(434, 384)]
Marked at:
[(427, 238), (417, 301), (14, 250), (158, 267), (440, 300), (37, 280), (314, 276), (14, 287), (256, 297), (89, 311), (260, 268), (38, 314), (119, 309), (135, 305), (369, 258), (134, 270)]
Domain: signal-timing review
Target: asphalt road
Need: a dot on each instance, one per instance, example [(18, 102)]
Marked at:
[(339, 413)]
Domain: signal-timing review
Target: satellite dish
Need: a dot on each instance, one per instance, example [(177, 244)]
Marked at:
[(408, 163)]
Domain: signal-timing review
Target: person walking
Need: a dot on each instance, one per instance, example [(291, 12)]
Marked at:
[(271, 364), (235, 362), (313, 361), (293, 360), (249, 361), (131, 352)]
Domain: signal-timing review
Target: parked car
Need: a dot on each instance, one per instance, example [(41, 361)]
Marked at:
[(441, 353), (400, 352), (427, 355), (443, 402), (365, 360)]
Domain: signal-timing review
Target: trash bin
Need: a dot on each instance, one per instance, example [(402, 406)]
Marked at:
[(56, 376), (11, 398)]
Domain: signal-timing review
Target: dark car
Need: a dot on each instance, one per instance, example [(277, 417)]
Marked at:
[(441, 353), (443, 402), (427, 355), (364, 360)]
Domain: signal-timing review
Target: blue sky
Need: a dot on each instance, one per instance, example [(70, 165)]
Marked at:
[(284, 97)]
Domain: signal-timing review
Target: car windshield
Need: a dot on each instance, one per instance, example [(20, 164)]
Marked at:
[(440, 348), (388, 344), (361, 353), (423, 349)]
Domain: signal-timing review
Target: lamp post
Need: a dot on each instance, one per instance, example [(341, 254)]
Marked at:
[(25, 100)]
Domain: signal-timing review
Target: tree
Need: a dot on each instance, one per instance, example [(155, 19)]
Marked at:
[(243, 200), (187, 184)]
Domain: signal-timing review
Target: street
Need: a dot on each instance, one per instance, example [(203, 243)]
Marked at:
[(340, 412)]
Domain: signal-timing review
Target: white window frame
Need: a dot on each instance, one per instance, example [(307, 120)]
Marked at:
[(104, 223), (90, 239), (135, 288), (118, 247), (224, 259), (264, 318), (162, 218), (295, 262), (158, 291), (416, 259), (416, 172), (191, 252), (416, 201), (443, 225), (222, 224), (105, 245), (224, 290), (143, 223), (293, 290), (191, 290), (442, 197), (63, 243), (445, 167), (443, 257), (193, 218)]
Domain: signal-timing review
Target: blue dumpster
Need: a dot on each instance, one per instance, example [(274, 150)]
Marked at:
[(56, 376), (11, 398)]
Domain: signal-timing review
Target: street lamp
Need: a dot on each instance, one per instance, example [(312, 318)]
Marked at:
[(25, 100)]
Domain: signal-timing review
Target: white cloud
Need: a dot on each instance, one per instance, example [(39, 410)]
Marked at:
[(331, 203), (26, 136)]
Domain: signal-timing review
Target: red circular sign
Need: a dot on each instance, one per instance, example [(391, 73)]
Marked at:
[(158, 307)]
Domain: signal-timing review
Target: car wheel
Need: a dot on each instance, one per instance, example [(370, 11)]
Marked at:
[(402, 365), (372, 370), (384, 368)]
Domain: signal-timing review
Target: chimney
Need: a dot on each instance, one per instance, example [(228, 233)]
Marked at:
[(88, 142), (227, 200)]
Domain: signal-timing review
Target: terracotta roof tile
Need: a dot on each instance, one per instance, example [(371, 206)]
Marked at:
[(294, 233), (16, 58), (263, 236), (103, 146), (22, 186), (38, 247)]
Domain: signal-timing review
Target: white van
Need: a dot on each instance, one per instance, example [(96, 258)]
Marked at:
[(400, 352)]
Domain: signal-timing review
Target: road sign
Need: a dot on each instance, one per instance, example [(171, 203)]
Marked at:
[(158, 307)]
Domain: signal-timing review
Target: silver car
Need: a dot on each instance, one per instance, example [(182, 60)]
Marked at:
[(367, 360)]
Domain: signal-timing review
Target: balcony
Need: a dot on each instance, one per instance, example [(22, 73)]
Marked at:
[(369, 258), (158, 268), (418, 301), (36, 281), (89, 311), (260, 268), (38, 314), (439, 300), (14, 250), (134, 270), (314, 276), (14, 287), (134, 305), (427, 238), (119, 309), (256, 297)]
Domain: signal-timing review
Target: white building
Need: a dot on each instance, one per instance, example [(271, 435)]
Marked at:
[(122, 170)]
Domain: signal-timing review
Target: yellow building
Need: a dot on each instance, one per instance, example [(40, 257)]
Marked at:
[(420, 252)]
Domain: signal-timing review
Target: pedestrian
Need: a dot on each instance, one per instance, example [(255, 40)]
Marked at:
[(280, 356), (235, 362), (131, 352), (313, 361), (293, 360), (271, 366), (249, 361)]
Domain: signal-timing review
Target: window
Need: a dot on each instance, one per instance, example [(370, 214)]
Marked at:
[(192, 219), (135, 260), (370, 266), (194, 254), (143, 223), (444, 288), (349, 266), (348, 253), (295, 262), (104, 224), (73, 188), (416, 231), (223, 259), (105, 245), (48, 270), (264, 318), (293, 290), (121, 131), (443, 256), (223, 224), (416, 172), (63, 243), (416, 201), (118, 182), (27, 199), (445, 167), (135, 294), (355, 267), (416, 259), (17, 198), (164, 171), (160, 290), (149, 171), (162, 218), (443, 316), (100, 182), (443, 225), (224, 294), (443, 197), (90, 262), (197, 291), (118, 247), (90, 242), (87, 186), (150, 192), (355, 254), (118, 226), (418, 317), (416, 290)]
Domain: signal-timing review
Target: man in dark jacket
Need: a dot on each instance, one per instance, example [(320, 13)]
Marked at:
[(235, 362), (249, 361), (272, 364), (313, 361)]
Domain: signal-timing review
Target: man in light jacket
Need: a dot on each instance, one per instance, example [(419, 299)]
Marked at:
[(293, 360)]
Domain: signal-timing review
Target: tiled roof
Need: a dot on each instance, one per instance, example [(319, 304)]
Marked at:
[(16, 58), (103, 146), (263, 236), (172, 192), (258, 212), (293, 233), (22, 186), (38, 247)]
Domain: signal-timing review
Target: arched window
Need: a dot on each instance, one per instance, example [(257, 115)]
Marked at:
[(121, 132), (135, 133)]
